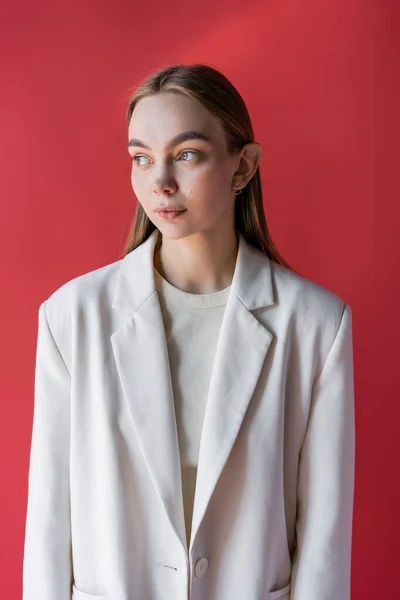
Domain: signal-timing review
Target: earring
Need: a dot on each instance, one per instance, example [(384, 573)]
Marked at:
[(238, 192)]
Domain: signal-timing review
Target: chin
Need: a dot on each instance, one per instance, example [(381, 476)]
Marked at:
[(173, 233), (173, 230)]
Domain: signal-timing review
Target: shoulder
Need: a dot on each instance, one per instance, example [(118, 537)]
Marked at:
[(308, 309), (82, 293), (305, 296)]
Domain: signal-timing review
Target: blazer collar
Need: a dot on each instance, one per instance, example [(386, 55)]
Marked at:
[(251, 280)]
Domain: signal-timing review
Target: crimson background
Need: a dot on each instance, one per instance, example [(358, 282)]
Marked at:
[(320, 79)]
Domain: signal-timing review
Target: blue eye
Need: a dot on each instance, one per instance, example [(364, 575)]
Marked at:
[(134, 158), (188, 152), (137, 157)]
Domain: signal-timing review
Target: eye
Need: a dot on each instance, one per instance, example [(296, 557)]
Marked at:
[(136, 157), (189, 152)]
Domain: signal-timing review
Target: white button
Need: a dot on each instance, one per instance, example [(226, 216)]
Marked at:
[(201, 567)]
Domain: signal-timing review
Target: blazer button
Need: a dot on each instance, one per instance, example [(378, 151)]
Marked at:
[(201, 567)]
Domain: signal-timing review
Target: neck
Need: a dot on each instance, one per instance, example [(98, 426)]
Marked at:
[(198, 264)]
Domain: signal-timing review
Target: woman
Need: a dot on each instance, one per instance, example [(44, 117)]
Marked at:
[(193, 431)]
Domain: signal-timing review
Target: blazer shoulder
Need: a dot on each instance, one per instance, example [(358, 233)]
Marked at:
[(310, 303), (81, 291)]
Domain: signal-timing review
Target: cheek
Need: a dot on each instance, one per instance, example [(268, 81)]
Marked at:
[(205, 181), (211, 187), (139, 185), (133, 179)]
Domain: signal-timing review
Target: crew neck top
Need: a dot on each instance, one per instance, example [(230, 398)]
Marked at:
[(192, 324)]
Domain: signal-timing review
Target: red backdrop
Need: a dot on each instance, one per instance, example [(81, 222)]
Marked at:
[(320, 81)]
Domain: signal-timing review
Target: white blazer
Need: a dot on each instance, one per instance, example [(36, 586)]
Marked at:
[(274, 498)]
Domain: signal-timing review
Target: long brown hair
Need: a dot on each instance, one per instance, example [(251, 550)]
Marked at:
[(214, 91)]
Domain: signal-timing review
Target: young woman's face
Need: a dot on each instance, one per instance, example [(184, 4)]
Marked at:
[(195, 174)]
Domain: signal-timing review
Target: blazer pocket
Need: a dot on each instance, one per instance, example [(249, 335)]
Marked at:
[(283, 593), (79, 595)]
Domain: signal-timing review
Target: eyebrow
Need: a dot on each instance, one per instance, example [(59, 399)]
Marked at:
[(178, 139)]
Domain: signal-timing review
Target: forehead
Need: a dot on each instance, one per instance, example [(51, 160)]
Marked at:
[(158, 118)]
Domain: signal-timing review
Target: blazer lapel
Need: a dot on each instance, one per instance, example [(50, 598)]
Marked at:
[(141, 357), (241, 351)]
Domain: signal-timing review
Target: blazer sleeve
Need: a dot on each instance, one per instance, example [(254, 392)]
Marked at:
[(47, 570), (321, 563)]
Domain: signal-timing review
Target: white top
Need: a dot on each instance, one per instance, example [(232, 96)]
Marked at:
[(192, 324)]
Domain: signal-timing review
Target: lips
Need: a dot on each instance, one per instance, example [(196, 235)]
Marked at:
[(170, 209), (171, 214)]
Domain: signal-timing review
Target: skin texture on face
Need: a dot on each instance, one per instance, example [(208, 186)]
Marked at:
[(199, 247), (195, 174)]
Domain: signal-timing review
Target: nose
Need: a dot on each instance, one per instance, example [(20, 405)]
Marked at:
[(164, 185)]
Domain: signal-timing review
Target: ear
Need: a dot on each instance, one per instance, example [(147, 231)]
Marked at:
[(250, 158)]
